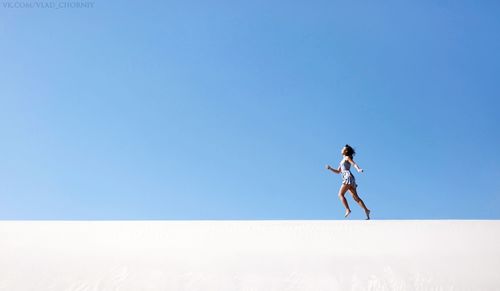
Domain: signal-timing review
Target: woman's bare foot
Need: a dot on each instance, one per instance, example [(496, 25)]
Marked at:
[(347, 212), (367, 214)]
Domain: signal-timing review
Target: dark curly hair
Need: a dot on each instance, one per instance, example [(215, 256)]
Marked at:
[(350, 151)]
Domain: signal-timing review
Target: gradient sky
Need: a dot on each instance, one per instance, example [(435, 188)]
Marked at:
[(232, 109)]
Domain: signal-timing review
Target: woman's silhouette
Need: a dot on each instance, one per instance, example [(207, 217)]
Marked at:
[(348, 180)]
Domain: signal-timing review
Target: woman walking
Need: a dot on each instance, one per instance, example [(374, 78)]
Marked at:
[(348, 180)]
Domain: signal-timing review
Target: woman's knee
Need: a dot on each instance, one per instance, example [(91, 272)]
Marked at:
[(355, 196)]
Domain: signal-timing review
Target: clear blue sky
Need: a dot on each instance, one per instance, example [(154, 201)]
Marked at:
[(232, 109)]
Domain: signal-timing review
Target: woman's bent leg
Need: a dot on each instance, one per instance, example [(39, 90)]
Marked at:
[(355, 196), (342, 191)]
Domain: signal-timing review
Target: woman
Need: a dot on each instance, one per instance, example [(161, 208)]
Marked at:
[(348, 180)]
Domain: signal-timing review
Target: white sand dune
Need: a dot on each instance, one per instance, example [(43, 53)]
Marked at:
[(250, 255)]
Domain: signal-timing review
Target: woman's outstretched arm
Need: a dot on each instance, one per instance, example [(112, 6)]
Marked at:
[(332, 169), (354, 164)]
